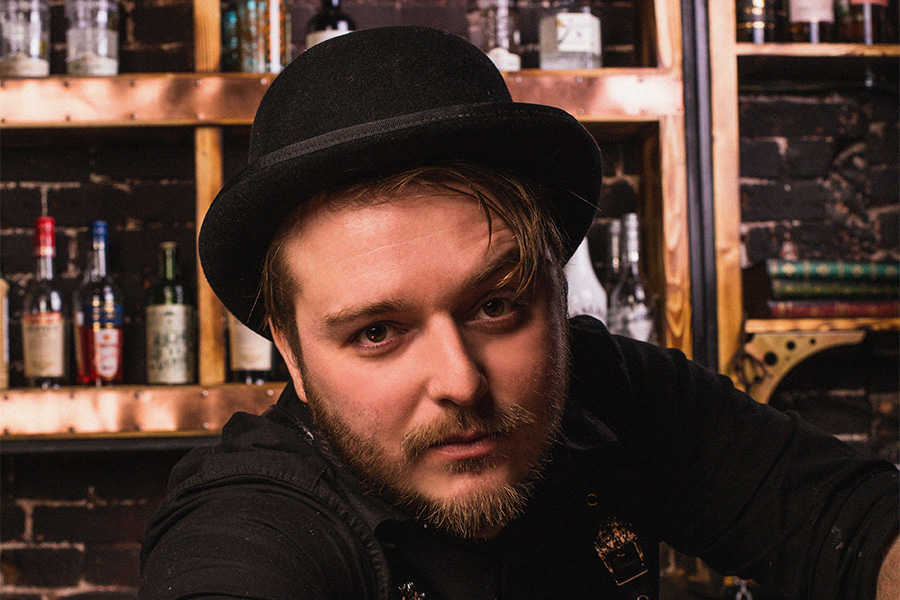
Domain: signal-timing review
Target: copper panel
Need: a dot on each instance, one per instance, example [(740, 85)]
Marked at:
[(129, 409), (167, 99), (604, 95)]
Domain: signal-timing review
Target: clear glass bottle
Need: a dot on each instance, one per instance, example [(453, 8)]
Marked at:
[(570, 37), (586, 295), (331, 21), (612, 255), (92, 39), (25, 28), (264, 34), (99, 318), (249, 354), (494, 27), (865, 22), (44, 322), (170, 324), (812, 21), (631, 308)]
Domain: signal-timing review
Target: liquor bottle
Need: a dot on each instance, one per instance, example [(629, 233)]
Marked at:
[(264, 34), (631, 311), (170, 322), (586, 295), (570, 37), (99, 318), (92, 38), (760, 21), (25, 31), (249, 354), (44, 324), (331, 21), (4, 334), (493, 26), (812, 21), (230, 57), (612, 255), (865, 22)]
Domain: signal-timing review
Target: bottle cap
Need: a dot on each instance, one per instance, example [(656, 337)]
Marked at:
[(44, 239), (99, 230)]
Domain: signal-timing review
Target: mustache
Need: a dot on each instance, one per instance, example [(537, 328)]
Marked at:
[(465, 421)]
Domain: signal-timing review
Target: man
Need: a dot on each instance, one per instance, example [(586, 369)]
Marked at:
[(400, 233)]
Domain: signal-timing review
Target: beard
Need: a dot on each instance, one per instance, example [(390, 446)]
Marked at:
[(487, 508)]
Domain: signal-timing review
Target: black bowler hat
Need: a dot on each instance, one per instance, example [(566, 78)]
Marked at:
[(371, 102)]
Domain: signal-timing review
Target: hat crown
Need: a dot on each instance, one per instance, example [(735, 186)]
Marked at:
[(368, 76)]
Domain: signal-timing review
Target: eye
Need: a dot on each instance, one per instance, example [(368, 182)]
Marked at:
[(375, 333), (496, 307)]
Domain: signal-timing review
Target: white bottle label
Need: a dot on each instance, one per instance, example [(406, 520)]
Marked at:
[(170, 344), (573, 32), (806, 11), (505, 60), (316, 37), (43, 341), (107, 351), (249, 350)]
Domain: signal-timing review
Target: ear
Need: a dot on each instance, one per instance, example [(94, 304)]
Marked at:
[(285, 350)]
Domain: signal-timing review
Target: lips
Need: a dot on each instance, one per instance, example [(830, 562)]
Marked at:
[(469, 445)]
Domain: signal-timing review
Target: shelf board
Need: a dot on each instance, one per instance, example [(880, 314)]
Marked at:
[(819, 50), (189, 99), (128, 411), (812, 325)]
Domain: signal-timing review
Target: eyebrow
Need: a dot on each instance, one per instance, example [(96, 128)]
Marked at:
[(487, 273)]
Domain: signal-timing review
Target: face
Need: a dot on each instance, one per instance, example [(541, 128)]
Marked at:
[(438, 388)]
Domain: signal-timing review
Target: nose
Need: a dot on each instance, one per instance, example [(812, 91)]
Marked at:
[(454, 374)]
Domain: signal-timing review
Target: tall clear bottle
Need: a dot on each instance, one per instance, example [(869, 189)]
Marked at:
[(44, 322), (99, 318), (171, 324), (570, 37), (865, 22), (331, 21), (24, 38), (631, 307), (92, 38), (249, 354), (586, 295), (493, 26)]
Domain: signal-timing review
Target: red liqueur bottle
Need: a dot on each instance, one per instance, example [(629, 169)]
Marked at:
[(99, 318)]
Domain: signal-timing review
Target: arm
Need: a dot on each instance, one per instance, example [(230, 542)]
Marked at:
[(889, 576)]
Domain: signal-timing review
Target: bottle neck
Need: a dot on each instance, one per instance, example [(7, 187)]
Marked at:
[(98, 259), (631, 246), (168, 266), (44, 269)]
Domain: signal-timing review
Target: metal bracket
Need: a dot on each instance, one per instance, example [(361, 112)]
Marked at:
[(773, 354)]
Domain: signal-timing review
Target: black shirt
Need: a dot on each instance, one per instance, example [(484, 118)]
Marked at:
[(648, 437)]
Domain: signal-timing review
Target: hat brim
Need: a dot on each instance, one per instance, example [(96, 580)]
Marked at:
[(539, 142)]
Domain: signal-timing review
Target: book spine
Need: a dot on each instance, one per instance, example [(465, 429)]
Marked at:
[(807, 288), (813, 269), (793, 309)]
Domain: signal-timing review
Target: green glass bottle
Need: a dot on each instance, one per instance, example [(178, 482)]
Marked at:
[(171, 324)]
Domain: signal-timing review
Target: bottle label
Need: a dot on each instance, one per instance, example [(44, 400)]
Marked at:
[(505, 60), (249, 350), (316, 37), (171, 357), (43, 340), (571, 32), (108, 352), (807, 11)]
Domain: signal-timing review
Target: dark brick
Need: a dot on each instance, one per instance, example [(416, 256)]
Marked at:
[(172, 59), (760, 244), (19, 206), (113, 565), (12, 522), (16, 252), (160, 24), (764, 116), (808, 157), (104, 595), (41, 567), (110, 524), (885, 185), (888, 225), (760, 158), (153, 202), (617, 24), (883, 144), (771, 202), (60, 163)]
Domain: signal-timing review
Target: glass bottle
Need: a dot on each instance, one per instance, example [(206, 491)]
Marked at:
[(812, 21), (99, 318), (586, 295), (249, 354), (493, 26), (25, 28), (760, 21), (230, 58), (92, 39), (865, 22), (570, 37), (630, 305), (264, 34), (612, 255), (170, 322), (4, 334), (44, 324), (331, 21)]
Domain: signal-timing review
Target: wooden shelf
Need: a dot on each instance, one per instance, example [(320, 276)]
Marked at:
[(819, 50), (189, 99), (812, 325), (128, 410)]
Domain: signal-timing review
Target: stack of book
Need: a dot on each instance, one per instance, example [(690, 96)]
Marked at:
[(822, 289)]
